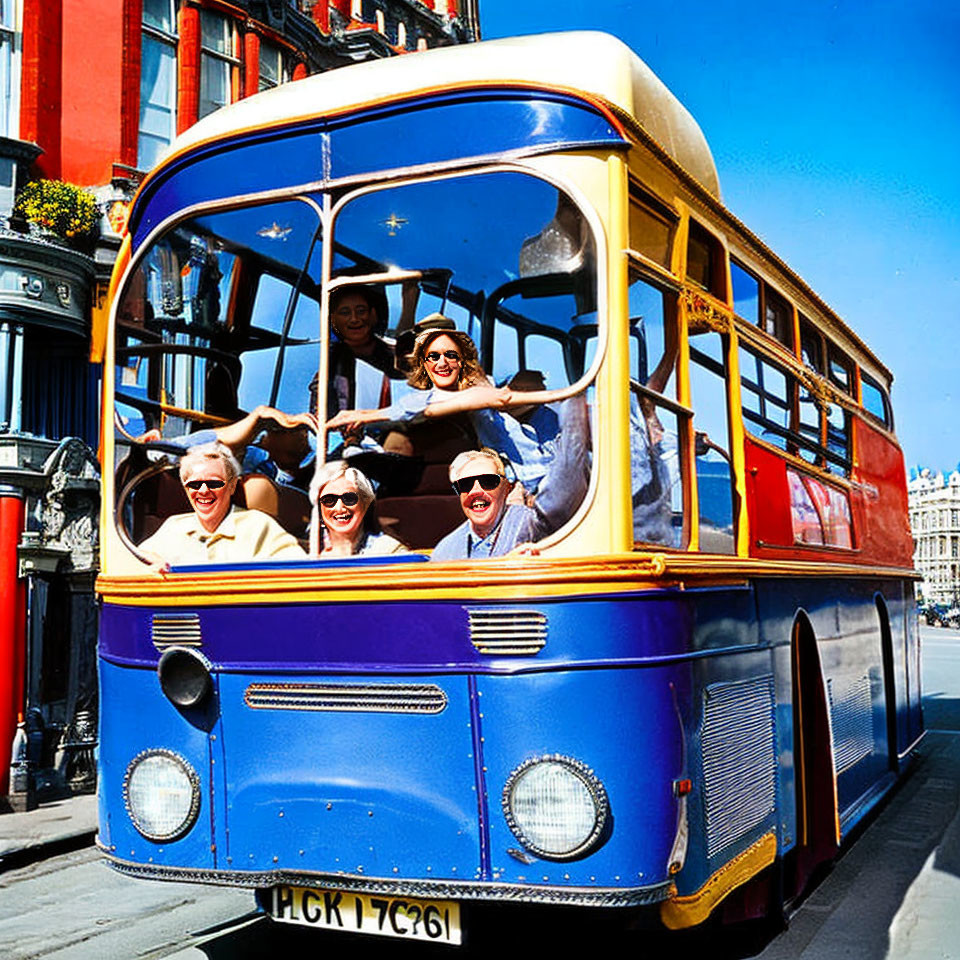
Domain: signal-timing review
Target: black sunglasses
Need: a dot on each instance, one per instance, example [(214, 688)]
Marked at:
[(433, 356), (487, 481), (209, 484), (349, 499)]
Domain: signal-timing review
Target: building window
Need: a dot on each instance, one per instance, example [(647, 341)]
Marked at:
[(158, 81), (217, 59), (272, 72), (9, 85)]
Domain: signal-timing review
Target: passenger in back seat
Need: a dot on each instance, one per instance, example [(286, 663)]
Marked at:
[(449, 379)]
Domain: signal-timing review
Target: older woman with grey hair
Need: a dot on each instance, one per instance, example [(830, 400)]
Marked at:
[(348, 515), (217, 531)]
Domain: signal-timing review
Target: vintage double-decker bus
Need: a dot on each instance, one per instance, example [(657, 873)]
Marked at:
[(706, 673)]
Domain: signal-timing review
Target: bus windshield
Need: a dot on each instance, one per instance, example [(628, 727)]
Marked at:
[(222, 314)]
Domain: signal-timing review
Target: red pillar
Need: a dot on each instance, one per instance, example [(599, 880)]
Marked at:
[(13, 636), (251, 64), (41, 87), (430, 4), (299, 71), (130, 90), (188, 68), (452, 8), (343, 6)]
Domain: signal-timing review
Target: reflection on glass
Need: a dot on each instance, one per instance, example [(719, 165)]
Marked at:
[(746, 293), (200, 324), (656, 488), (712, 443)]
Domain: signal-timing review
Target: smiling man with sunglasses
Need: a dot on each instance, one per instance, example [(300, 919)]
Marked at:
[(216, 531), (494, 528)]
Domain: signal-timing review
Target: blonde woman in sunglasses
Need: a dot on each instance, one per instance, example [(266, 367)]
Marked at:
[(348, 514)]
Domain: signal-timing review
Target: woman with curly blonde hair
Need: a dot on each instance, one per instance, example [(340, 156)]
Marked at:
[(448, 379)]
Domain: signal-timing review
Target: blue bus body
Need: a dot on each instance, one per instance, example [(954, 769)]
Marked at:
[(366, 719)]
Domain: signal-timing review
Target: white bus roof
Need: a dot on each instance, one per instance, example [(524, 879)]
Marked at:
[(595, 63)]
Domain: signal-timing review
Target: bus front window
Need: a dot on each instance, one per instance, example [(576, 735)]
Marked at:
[(502, 265), (219, 319)]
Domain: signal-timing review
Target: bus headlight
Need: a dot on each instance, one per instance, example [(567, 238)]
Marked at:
[(184, 676), (556, 807), (162, 794)]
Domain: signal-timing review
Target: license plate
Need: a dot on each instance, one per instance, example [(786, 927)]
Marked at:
[(437, 921)]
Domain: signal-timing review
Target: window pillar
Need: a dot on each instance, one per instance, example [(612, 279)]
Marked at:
[(41, 101), (251, 63), (188, 68), (130, 88)]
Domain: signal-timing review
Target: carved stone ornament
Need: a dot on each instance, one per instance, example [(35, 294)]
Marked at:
[(71, 503), (702, 315)]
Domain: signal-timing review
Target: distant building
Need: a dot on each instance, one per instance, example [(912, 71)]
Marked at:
[(92, 92), (935, 521)]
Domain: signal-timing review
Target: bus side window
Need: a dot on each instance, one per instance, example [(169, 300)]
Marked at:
[(655, 479), (875, 401), (652, 226), (746, 293), (777, 317), (766, 397), (708, 393)]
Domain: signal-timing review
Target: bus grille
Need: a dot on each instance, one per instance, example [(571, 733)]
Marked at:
[(515, 633), (355, 697), (851, 716), (739, 759), (176, 629)]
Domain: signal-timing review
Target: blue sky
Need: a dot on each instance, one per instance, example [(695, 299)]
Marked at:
[(835, 128)]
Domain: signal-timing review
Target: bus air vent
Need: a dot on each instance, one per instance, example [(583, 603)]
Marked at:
[(176, 629), (851, 717), (517, 633), (739, 759), (351, 697)]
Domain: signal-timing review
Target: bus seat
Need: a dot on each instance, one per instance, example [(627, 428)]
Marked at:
[(415, 502), (420, 522), (289, 506), (154, 499)]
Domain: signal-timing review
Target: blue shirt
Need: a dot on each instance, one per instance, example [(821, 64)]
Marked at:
[(561, 492), (530, 447)]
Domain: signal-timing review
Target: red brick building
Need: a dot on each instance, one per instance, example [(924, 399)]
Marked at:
[(92, 92)]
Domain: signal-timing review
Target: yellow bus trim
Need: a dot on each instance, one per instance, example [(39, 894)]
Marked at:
[(518, 580), (688, 911)]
